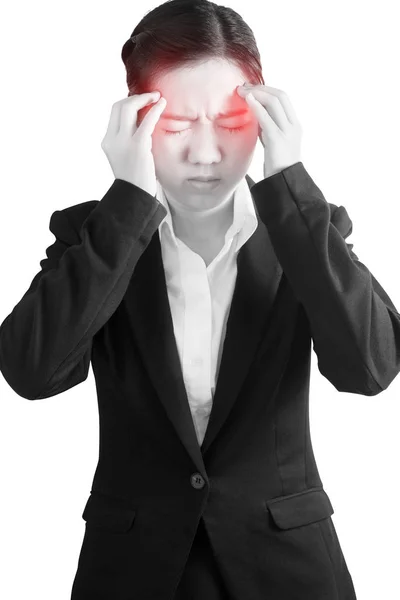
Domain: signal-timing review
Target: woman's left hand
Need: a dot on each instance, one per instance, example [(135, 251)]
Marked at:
[(280, 131)]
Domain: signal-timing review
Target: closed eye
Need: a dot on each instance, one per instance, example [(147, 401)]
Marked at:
[(230, 129)]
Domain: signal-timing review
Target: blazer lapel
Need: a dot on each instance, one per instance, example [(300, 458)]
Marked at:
[(258, 276)]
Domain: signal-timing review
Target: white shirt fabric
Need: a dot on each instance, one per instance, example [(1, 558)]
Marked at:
[(200, 299)]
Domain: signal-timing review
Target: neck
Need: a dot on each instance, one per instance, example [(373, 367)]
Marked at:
[(202, 225)]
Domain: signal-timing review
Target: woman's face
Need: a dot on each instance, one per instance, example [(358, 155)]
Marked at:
[(202, 141)]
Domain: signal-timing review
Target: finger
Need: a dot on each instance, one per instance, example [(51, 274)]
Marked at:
[(114, 122), (285, 101), (124, 113), (272, 107), (149, 122), (266, 121), (129, 108)]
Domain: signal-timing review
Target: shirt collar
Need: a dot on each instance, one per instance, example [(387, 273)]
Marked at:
[(244, 215)]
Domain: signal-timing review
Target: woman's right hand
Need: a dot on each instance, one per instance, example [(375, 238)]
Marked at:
[(127, 145)]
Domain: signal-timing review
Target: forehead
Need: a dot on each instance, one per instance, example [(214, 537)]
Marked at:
[(208, 86), (207, 71)]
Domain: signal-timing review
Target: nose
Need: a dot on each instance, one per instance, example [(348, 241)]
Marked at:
[(204, 146)]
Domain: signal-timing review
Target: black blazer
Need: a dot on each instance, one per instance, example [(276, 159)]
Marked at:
[(101, 297)]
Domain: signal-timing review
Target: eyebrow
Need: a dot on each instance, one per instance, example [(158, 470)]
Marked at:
[(232, 113)]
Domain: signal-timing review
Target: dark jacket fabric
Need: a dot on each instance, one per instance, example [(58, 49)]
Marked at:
[(101, 299)]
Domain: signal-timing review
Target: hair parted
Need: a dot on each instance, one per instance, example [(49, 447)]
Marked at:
[(178, 33)]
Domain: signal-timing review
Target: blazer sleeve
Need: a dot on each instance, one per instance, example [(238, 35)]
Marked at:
[(45, 342), (354, 325)]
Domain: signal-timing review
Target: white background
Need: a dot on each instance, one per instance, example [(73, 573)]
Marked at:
[(61, 72)]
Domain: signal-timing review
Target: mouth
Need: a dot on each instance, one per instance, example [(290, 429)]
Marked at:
[(203, 179), (203, 183)]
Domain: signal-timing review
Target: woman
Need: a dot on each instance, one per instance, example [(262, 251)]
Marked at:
[(196, 301)]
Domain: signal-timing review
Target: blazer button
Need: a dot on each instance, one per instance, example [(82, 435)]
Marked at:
[(197, 481)]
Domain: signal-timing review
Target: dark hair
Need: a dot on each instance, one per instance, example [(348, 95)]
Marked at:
[(180, 32)]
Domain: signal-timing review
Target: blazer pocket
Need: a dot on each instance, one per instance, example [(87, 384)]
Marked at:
[(302, 508), (108, 512)]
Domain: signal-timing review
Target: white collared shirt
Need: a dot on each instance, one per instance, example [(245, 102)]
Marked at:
[(200, 298)]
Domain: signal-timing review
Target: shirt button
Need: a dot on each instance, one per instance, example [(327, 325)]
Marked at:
[(197, 481)]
